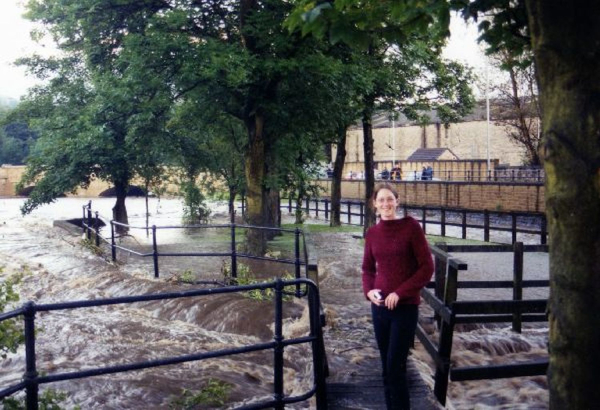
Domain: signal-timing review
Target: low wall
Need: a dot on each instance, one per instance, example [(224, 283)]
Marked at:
[(494, 196)]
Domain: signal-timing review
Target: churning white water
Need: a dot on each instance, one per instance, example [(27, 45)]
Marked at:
[(59, 269)]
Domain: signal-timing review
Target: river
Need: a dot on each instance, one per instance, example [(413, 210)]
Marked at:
[(61, 269)]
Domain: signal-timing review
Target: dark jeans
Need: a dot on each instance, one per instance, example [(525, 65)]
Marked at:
[(395, 333)]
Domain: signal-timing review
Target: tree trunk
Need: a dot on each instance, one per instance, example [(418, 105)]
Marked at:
[(231, 202), (119, 211), (336, 183), (255, 191), (368, 153), (565, 42)]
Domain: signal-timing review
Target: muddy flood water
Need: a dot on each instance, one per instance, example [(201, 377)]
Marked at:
[(58, 268)]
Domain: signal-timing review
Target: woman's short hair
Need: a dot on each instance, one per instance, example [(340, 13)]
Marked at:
[(384, 185)]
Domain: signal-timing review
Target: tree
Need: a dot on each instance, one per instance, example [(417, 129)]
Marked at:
[(518, 108), (402, 42), (565, 44)]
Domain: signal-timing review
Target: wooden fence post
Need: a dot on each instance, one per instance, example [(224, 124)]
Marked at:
[(446, 333)]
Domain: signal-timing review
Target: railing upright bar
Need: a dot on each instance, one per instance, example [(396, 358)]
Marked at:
[(362, 214), (89, 221), (518, 284), (233, 253), (349, 212), (97, 228), (464, 224), (486, 225), (297, 261), (544, 230), (31, 374), (513, 217), (442, 373), (443, 221), (154, 251), (326, 209), (113, 245), (424, 213), (316, 208), (278, 349), (83, 224)]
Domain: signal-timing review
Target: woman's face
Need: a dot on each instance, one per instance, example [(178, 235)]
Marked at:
[(385, 204)]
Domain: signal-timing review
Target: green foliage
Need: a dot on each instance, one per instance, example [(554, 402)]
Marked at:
[(214, 393), (11, 331), (48, 399), (195, 208), (244, 277), (90, 244), (357, 22)]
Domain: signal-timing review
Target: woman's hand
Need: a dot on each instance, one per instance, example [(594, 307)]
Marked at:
[(391, 301), (375, 296)]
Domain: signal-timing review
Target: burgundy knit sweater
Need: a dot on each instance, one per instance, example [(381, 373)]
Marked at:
[(397, 259)]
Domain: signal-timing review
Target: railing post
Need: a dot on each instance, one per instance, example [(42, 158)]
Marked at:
[(464, 224), (424, 219), (517, 283), (362, 214), (31, 374), (544, 230), (233, 253), (307, 202), (349, 212), (290, 204), (326, 208), (154, 251), (441, 267), (486, 225), (513, 217), (297, 258), (89, 221), (316, 208), (97, 228), (446, 333), (113, 246), (83, 224), (318, 347), (443, 221), (278, 349)]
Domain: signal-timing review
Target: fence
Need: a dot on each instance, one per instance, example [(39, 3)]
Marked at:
[(495, 175), (450, 312), (354, 212), (32, 380), (92, 225)]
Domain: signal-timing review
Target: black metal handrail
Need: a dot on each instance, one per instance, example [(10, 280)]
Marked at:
[(357, 209), (91, 224), (32, 380)]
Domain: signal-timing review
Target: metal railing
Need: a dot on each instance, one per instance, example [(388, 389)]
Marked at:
[(534, 175), (93, 221), (32, 378), (353, 213), (450, 312)]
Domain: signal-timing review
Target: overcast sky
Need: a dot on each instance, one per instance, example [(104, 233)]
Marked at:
[(16, 42)]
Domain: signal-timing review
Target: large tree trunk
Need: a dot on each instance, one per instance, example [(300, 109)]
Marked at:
[(255, 189), (119, 211), (336, 182), (565, 41), (368, 153)]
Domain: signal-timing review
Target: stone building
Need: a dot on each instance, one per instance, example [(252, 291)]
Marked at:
[(466, 140)]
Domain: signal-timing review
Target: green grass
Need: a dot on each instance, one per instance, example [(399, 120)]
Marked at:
[(432, 239), (324, 228)]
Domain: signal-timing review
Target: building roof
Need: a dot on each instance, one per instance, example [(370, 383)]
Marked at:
[(428, 154)]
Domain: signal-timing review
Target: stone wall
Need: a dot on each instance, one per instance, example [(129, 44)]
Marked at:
[(521, 197)]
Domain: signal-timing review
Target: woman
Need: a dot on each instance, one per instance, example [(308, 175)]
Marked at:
[(397, 264)]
